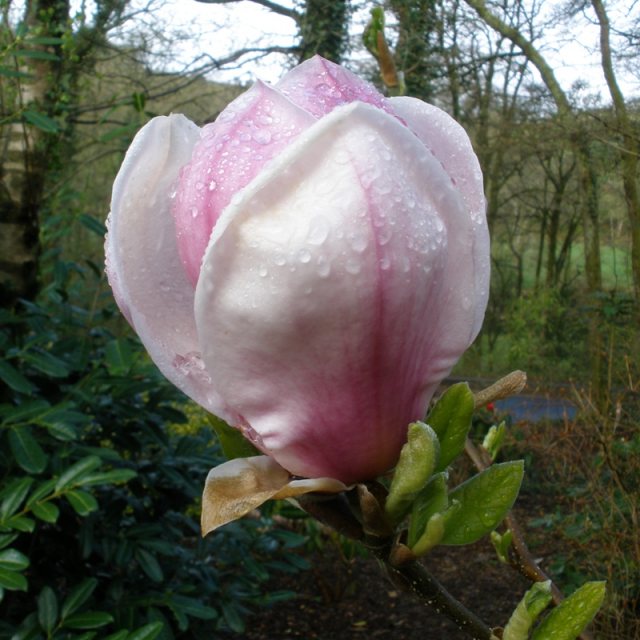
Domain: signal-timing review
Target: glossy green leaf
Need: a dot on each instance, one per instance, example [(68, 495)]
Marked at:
[(233, 618), (115, 476), (123, 634), (26, 450), (233, 443), (48, 40), (78, 596), (484, 500), (450, 418), (14, 379), (20, 523), (87, 620), (83, 503), (431, 500), (149, 564), (13, 560), (534, 602), (12, 580), (25, 412), (417, 462), (571, 616), (119, 357), (44, 361), (47, 609), (43, 490), (6, 539), (13, 496), (148, 632), (74, 475), (46, 511)]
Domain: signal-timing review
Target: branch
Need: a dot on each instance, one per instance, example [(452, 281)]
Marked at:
[(272, 6)]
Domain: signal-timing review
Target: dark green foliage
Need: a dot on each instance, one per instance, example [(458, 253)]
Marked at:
[(99, 530)]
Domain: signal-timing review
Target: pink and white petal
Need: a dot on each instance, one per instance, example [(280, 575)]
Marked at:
[(319, 86), (451, 145), (320, 288), (252, 130), (143, 263)]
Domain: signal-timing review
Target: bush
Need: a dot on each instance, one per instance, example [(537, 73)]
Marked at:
[(99, 533)]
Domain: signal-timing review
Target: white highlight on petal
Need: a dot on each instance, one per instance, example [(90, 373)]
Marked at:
[(142, 256)]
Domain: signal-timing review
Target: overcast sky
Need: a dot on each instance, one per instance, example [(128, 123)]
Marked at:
[(219, 29)]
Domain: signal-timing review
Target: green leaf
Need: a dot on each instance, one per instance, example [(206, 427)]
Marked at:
[(26, 450), (115, 476), (123, 634), (41, 121), (14, 379), (450, 418), (74, 475), (87, 620), (47, 609), (494, 439), (35, 54), (148, 632), (83, 503), (46, 511), (49, 40), (12, 581), (13, 560), (43, 490), (78, 596), (233, 443), (431, 500), (25, 412), (571, 616), (418, 460), (8, 72), (149, 564), (484, 501), (119, 357), (534, 602), (93, 224), (13, 496), (43, 361), (21, 523), (6, 539), (192, 607), (233, 619)]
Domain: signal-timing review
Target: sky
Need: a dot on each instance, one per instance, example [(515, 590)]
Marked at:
[(219, 28)]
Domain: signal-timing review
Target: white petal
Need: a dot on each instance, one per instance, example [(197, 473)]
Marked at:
[(143, 263), (451, 145), (321, 288)]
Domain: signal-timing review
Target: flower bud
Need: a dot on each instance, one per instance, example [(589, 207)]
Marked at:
[(308, 267)]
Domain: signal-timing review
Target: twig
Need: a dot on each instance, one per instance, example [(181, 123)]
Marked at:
[(520, 557)]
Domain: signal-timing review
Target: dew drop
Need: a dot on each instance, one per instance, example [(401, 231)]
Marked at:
[(353, 266), (318, 231), (324, 267), (194, 212), (263, 272), (304, 255), (212, 185), (262, 136)]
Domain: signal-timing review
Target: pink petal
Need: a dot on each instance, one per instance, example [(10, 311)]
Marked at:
[(248, 133), (451, 145), (320, 290), (319, 86), (144, 268)]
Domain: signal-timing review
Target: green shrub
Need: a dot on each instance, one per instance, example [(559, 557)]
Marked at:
[(99, 533)]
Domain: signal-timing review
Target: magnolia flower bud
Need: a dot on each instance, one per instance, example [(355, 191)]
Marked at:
[(309, 267)]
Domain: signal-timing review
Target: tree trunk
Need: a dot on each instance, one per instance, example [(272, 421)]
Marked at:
[(324, 29), (629, 156)]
